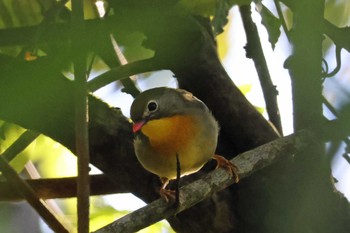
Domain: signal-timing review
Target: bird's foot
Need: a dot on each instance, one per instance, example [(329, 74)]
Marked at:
[(224, 163), (168, 195)]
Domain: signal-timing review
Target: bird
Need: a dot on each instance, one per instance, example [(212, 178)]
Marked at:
[(172, 127)]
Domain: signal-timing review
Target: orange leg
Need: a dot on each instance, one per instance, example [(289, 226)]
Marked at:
[(166, 194), (222, 162)]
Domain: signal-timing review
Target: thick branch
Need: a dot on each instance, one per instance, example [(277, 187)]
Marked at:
[(248, 163)]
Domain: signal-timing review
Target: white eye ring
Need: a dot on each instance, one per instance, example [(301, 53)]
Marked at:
[(152, 106)]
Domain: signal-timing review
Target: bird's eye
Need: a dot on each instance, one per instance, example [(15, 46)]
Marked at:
[(152, 106)]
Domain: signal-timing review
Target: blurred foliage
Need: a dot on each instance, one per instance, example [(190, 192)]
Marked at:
[(132, 46), (16, 13), (337, 12)]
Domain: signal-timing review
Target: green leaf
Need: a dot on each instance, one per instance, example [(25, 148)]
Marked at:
[(220, 17), (222, 9), (198, 7), (207, 7), (271, 23)]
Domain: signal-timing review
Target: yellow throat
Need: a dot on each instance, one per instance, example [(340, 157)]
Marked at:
[(170, 135)]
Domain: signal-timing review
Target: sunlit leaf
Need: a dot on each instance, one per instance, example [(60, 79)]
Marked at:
[(245, 88), (11, 133), (24, 12), (103, 216), (223, 42), (336, 12), (260, 109), (19, 162), (90, 9), (54, 160)]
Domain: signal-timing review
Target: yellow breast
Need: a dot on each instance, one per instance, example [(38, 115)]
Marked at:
[(170, 135)]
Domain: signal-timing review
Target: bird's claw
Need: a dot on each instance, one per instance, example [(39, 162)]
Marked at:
[(168, 195), (224, 163)]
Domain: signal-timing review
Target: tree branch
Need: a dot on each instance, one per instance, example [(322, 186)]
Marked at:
[(60, 188), (255, 52), (248, 163)]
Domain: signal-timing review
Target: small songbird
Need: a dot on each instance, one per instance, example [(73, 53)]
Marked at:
[(173, 127)]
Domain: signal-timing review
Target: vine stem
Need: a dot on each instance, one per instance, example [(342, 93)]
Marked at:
[(81, 115)]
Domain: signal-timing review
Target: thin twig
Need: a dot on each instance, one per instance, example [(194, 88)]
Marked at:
[(247, 163), (27, 192), (255, 52), (128, 83), (81, 115), (20, 144)]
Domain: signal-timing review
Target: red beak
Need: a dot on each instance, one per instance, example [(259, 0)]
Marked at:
[(137, 126)]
